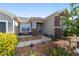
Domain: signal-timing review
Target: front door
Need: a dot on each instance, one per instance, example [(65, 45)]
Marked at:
[(39, 28), (3, 27)]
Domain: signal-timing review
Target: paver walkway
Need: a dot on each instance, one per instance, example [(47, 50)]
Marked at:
[(26, 43)]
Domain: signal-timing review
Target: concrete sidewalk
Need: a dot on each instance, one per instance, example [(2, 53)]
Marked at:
[(26, 43)]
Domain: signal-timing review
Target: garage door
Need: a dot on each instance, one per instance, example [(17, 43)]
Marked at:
[(3, 27)]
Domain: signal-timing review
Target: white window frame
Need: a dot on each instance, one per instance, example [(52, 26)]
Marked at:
[(6, 24), (21, 24), (13, 26)]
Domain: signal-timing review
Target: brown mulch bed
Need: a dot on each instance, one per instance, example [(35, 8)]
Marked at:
[(37, 47), (40, 48), (27, 39)]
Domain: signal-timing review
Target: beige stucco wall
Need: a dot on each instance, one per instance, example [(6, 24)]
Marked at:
[(10, 21), (49, 25)]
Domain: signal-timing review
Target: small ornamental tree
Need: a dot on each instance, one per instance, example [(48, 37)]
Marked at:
[(70, 22)]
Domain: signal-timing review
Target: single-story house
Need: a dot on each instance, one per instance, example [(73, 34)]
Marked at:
[(11, 23)]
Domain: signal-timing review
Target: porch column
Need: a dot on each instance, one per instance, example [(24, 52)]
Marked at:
[(33, 28), (33, 31)]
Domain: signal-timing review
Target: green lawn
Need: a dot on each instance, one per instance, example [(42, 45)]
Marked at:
[(24, 36)]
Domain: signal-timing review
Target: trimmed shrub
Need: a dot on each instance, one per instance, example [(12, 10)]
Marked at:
[(56, 52), (25, 33), (31, 53), (29, 33), (7, 44)]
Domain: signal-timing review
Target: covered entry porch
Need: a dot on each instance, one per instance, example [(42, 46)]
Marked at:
[(37, 26)]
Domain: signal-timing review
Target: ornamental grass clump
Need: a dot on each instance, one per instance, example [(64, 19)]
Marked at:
[(7, 44)]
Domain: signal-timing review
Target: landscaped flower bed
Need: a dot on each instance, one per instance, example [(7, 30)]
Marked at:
[(40, 49)]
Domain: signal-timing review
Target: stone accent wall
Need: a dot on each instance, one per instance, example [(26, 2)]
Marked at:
[(58, 32), (57, 21), (34, 32), (57, 25)]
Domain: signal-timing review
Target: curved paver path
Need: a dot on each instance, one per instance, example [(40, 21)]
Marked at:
[(26, 43)]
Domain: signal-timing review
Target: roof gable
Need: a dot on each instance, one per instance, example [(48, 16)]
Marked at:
[(7, 12)]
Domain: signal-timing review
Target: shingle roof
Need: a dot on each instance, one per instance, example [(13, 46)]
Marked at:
[(55, 13), (37, 19), (23, 19)]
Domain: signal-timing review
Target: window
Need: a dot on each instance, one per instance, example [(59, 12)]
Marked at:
[(25, 27), (3, 26)]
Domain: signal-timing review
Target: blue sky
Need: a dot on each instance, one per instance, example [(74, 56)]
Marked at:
[(34, 10)]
